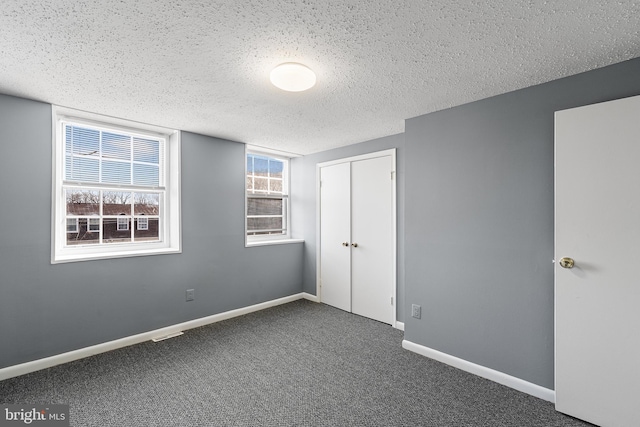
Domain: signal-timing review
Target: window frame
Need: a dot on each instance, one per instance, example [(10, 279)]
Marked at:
[(170, 230), (269, 239)]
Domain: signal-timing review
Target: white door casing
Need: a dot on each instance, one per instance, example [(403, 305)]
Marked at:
[(597, 223)]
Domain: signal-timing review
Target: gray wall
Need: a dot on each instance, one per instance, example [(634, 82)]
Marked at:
[(304, 207), (479, 222), (49, 309)]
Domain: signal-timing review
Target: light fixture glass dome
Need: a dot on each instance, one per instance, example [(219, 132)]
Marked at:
[(293, 77)]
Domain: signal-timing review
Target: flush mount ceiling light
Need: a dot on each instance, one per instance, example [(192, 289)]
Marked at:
[(293, 77)]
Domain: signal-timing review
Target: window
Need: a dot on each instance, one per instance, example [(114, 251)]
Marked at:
[(107, 172), (123, 224), (94, 225), (267, 189), (143, 224), (72, 225)]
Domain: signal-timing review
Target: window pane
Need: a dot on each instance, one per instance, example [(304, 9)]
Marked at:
[(262, 225), (116, 172), (146, 204), (257, 206), (275, 185), (83, 236), (116, 203), (83, 169), (116, 146), (275, 168), (261, 184), (146, 150), (249, 164), (260, 166), (249, 183), (82, 202), (110, 231), (84, 142), (151, 234), (148, 175)]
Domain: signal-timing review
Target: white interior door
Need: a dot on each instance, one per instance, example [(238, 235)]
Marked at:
[(335, 235), (597, 224), (372, 248)]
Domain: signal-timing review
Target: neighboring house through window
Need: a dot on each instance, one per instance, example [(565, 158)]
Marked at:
[(267, 201), (107, 173)]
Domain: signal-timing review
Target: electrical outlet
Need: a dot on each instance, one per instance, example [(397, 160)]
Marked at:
[(190, 294), (416, 311)]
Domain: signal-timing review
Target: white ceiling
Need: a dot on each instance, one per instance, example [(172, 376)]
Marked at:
[(203, 65)]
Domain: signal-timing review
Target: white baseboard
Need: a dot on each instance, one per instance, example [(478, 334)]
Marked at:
[(58, 359), (399, 325), (310, 297), (484, 372)]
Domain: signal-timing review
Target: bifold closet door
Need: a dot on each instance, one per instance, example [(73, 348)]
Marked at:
[(335, 232), (372, 237), (356, 237)]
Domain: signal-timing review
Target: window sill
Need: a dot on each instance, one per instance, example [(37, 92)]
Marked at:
[(272, 242), (74, 257)]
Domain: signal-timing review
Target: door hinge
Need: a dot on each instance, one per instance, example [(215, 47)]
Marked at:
[(393, 174), (391, 300)]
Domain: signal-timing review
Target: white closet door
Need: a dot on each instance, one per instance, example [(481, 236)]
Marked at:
[(335, 236), (372, 232)]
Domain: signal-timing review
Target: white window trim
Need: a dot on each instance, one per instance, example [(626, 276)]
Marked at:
[(171, 241), (263, 240)]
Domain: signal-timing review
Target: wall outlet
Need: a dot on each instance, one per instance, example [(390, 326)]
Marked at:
[(416, 311), (190, 294)]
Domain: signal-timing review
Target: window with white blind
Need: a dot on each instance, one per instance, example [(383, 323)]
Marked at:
[(109, 176), (267, 201)]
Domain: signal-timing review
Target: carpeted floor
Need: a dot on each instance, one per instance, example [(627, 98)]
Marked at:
[(299, 364)]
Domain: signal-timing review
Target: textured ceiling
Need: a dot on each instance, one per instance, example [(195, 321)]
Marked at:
[(203, 65)]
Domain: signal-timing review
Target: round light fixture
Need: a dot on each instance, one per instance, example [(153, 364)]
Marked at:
[(293, 77)]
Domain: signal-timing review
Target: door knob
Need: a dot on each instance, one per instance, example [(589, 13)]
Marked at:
[(355, 245), (566, 262), (345, 243)]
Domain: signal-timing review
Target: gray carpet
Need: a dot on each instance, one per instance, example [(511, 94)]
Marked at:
[(300, 364)]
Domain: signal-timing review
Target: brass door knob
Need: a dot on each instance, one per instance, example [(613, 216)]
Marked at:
[(345, 243), (355, 245), (567, 262)]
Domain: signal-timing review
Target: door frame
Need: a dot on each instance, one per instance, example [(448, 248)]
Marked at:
[(394, 219)]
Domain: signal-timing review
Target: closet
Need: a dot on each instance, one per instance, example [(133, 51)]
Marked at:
[(357, 238)]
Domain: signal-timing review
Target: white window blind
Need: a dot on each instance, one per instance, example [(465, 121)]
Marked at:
[(99, 156)]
